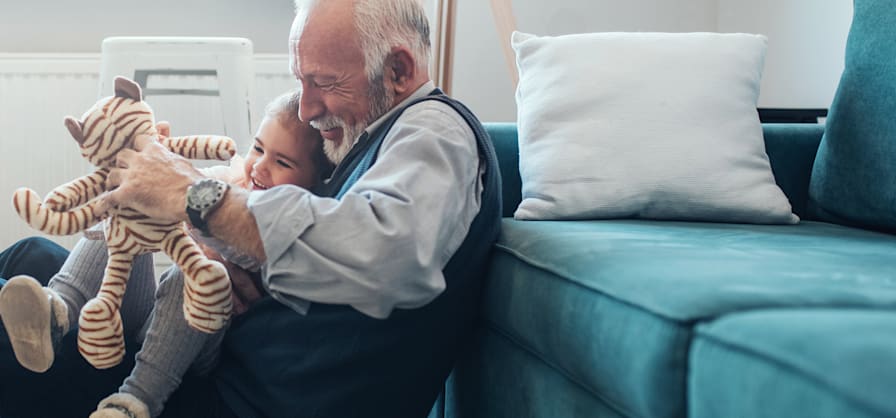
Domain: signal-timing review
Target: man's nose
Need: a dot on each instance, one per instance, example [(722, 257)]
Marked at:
[(311, 106)]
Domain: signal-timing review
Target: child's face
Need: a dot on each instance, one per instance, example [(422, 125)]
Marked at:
[(280, 156)]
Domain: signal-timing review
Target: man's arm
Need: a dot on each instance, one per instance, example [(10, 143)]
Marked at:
[(154, 181), (383, 245), (233, 223)]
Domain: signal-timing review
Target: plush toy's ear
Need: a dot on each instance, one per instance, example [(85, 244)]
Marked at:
[(74, 126), (125, 87)]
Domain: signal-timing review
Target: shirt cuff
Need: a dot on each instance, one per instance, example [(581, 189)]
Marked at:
[(282, 214)]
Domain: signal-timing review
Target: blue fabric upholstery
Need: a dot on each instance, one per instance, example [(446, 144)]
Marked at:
[(571, 294), (672, 319), (853, 180), (825, 363), (505, 380)]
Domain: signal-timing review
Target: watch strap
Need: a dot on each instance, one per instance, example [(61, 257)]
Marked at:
[(197, 221), (198, 212)]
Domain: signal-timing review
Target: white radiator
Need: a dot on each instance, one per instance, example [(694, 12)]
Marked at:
[(38, 90)]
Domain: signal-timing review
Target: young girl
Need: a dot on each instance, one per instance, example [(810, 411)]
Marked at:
[(285, 151)]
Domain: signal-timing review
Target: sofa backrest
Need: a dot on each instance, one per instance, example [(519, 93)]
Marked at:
[(791, 150), (505, 138)]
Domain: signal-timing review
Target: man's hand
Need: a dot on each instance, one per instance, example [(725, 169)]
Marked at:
[(150, 179), (245, 289)]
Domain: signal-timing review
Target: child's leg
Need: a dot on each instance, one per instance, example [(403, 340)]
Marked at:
[(79, 280), (170, 348), (36, 317)]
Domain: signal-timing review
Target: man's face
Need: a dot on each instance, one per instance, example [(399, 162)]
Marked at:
[(330, 65)]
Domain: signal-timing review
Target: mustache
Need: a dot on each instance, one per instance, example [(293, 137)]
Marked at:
[(327, 122)]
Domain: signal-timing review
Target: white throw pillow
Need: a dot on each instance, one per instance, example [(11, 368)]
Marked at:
[(644, 125)]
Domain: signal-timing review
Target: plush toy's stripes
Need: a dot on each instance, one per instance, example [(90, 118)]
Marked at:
[(110, 126), (29, 207), (207, 296), (76, 192), (100, 333), (207, 147)]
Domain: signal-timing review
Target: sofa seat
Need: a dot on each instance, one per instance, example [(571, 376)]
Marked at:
[(819, 363), (567, 296)]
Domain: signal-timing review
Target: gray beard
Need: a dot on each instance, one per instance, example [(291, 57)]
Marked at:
[(336, 153), (381, 101)]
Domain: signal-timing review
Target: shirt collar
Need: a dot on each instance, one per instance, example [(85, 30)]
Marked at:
[(425, 89)]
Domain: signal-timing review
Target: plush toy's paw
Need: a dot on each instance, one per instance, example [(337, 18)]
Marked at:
[(28, 206), (100, 334), (207, 298), (121, 405), (35, 318)]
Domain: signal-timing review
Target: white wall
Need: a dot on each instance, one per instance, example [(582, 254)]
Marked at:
[(480, 74), (806, 41), (803, 63), (805, 56), (80, 26)]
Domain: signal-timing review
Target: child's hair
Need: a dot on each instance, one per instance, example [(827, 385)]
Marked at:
[(285, 109)]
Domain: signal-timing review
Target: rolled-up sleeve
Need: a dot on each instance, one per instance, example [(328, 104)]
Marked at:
[(384, 244)]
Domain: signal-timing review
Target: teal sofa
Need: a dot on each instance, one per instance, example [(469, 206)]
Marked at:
[(634, 318), (639, 318)]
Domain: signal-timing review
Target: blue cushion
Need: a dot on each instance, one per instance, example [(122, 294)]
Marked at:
[(791, 149), (853, 178), (824, 363), (571, 293)]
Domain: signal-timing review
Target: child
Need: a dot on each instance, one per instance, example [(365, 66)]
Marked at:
[(285, 151)]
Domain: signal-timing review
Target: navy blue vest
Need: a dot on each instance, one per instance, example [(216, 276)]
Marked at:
[(335, 362)]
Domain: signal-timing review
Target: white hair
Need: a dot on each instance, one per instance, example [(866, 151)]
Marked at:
[(383, 25)]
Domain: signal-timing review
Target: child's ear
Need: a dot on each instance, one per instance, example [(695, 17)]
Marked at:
[(125, 87), (75, 128)]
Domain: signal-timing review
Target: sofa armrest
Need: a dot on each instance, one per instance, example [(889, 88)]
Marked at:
[(791, 149)]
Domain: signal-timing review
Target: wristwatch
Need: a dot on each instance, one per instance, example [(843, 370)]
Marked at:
[(203, 197)]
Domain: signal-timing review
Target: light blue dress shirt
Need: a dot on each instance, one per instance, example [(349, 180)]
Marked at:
[(384, 244)]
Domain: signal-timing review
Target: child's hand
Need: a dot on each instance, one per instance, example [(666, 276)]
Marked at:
[(164, 129), (246, 290)]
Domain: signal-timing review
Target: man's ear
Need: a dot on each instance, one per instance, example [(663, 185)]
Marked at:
[(401, 70)]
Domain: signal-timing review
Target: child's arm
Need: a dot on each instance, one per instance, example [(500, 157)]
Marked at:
[(234, 173)]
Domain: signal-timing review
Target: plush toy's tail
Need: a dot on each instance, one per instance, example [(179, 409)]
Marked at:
[(202, 147), (29, 207)]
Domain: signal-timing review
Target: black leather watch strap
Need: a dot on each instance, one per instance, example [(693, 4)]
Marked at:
[(197, 221)]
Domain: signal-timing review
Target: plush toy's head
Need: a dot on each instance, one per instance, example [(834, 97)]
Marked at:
[(112, 124)]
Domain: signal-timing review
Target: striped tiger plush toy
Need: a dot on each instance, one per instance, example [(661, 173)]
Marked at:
[(109, 126)]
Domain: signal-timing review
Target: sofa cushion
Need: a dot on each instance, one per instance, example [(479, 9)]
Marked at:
[(853, 178), (791, 151), (572, 292), (824, 363), (644, 125)]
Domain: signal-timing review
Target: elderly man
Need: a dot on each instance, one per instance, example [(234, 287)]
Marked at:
[(368, 291)]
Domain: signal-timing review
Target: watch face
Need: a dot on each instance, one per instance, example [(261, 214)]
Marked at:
[(204, 194)]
